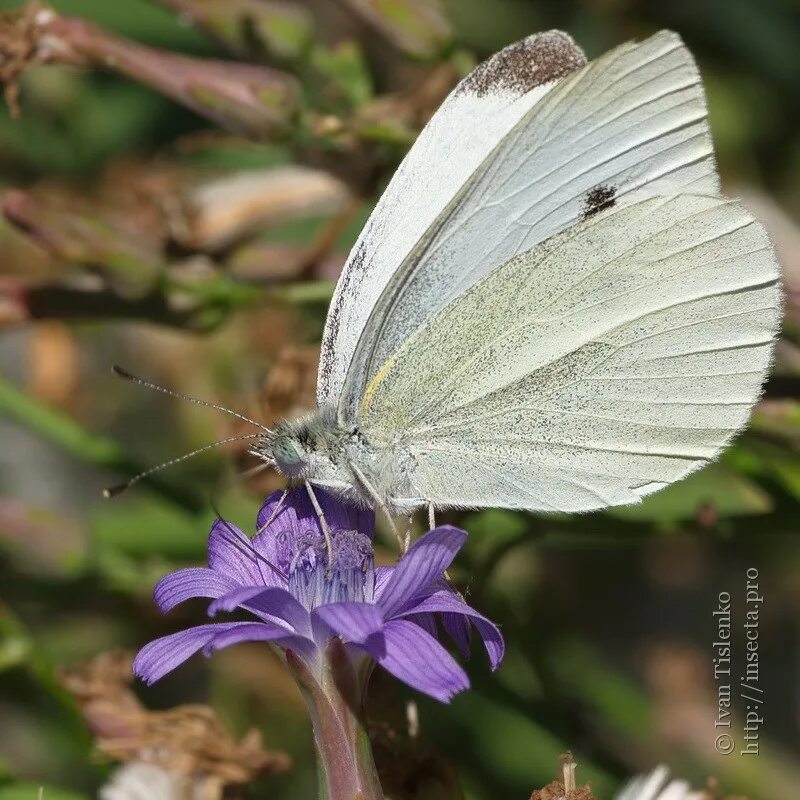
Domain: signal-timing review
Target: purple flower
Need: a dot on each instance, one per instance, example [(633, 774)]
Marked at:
[(301, 596)]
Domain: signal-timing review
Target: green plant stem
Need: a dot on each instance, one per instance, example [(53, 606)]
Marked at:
[(335, 702)]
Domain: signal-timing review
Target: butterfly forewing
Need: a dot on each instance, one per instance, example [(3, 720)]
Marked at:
[(469, 124), (630, 125)]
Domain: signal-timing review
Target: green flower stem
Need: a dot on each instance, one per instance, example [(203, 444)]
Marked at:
[(335, 701)]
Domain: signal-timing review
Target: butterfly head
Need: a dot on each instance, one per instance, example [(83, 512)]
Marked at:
[(290, 448), (300, 448)]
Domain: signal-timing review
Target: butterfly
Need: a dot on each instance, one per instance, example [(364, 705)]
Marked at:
[(551, 307)]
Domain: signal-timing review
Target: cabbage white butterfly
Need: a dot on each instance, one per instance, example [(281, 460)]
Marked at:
[(551, 307)]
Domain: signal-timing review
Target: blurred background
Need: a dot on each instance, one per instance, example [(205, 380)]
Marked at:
[(187, 219)]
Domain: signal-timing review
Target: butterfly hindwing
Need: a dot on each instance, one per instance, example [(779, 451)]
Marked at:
[(591, 370)]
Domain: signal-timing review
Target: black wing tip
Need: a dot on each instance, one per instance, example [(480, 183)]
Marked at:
[(114, 491), (522, 66)]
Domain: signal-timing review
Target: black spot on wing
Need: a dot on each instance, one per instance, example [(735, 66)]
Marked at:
[(597, 199), (526, 64)]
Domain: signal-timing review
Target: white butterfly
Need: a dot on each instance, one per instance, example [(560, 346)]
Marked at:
[(551, 307)]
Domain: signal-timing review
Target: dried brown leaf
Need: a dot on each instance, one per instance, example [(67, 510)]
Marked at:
[(189, 740)]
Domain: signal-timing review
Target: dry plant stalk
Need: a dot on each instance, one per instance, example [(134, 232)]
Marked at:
[(565, 787), (249, 99), (18, 42)]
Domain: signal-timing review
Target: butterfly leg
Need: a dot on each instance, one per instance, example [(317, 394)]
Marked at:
[(274, 513), (402, 541), (323, 523), (407, 534)]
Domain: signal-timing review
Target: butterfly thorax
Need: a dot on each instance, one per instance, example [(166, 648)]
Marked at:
[(317, 448)]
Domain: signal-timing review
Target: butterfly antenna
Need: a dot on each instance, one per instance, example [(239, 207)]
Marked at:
[(123, 373), (113, 491)]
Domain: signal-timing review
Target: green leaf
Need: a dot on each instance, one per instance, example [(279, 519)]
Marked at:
[(505, 742), (768, 460), (143, 527), (420, 28), (493, 529), (619, 702), (347, 74), (15, 647), (234, 154), (286, 31), (23, 648), (145, 22), (70, 436)]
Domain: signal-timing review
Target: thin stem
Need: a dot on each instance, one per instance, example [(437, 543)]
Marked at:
[(335, 702)]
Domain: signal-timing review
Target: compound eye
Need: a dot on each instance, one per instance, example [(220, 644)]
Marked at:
[(289, 456)]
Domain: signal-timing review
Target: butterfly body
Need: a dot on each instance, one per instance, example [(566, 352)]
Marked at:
[(316, 448)]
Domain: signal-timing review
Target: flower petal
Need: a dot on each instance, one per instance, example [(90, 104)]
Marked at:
[(260, 632), (427, 622), (446, 601), (420, 567), (186, 584), (355, 622), (162, 655), (382, 575), (268, 542), (231, 553), (459, 630), (297, 516), (276, 603), (298, 512), (416, 658)]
